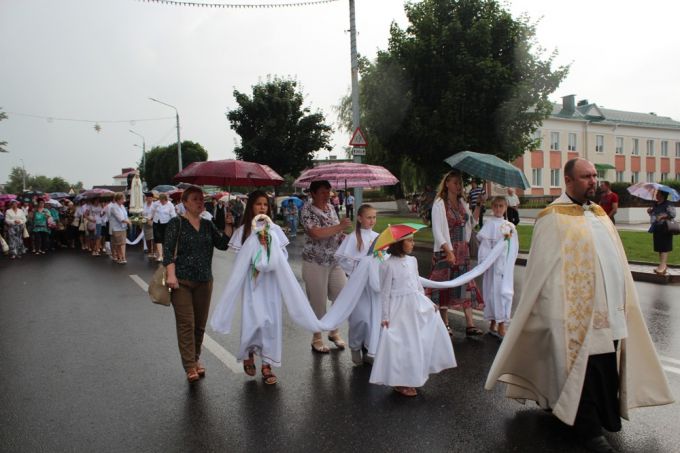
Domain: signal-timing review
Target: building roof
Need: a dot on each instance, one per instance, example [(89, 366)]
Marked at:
[(124, 175), (592, 112)]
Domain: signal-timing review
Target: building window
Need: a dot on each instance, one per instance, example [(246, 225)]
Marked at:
[(664, 176), (555, 177), (619, 145), (664, 148), (636, 147), (572, 142), (635, 177), (554, 141), (650, 176), (599, 143), (538, 139), (619, 176), (650, 147), (677, 150), (537, 177)]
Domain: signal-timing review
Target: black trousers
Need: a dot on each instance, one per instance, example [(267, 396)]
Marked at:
[(599, 404)]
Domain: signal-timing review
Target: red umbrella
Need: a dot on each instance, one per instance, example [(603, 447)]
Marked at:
[(97, 193), (346, 175), (229, 172)]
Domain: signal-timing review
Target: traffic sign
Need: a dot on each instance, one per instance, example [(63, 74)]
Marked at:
[(356, 151), (358, 139)]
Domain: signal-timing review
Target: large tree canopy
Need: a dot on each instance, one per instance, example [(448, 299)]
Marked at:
[(276, 129), (15, 182), (464, 75), (162, 164)]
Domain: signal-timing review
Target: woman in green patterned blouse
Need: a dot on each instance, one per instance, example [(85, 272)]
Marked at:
[(189, 274)]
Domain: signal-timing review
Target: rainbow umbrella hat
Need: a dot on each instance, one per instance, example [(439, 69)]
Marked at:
[(395, 233)]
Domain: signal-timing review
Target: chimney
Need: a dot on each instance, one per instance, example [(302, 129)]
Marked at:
[(568, 104)]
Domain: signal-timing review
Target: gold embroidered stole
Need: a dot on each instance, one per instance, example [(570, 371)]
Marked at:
[(578, 273)]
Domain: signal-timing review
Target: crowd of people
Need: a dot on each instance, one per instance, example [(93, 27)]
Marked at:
[(398, 321)]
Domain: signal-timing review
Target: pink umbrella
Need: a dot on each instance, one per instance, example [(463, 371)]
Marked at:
[(347, 175), (229, 172), (97, 193)]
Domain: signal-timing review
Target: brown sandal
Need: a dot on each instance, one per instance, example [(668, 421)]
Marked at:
[(267, 376), (192, 375), (249, 365), (406, 391), (319, 347), (200, 369), (337, 341)]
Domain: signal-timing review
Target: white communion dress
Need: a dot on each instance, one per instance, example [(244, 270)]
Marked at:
[(261, 296), (416, 342), (364, 321)]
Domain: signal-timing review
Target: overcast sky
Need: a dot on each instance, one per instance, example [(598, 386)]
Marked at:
[(101, 60)]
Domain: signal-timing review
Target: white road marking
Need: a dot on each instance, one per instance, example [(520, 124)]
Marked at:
[(211, 345), (669, 360), (671, 369)]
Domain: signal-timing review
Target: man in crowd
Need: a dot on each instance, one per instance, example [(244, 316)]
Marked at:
[(513, 206), (349, 205), (609, 200), (474, 197), (578, 344)]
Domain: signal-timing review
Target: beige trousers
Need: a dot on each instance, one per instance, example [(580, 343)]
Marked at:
[(322, 283)]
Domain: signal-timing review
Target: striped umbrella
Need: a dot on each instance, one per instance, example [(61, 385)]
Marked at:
[(488, 167), (346, 175), (394, 233)]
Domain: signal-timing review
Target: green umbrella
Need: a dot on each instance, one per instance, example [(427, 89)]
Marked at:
[(488, 167)]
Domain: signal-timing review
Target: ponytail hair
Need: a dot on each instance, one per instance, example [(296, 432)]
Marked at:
[(357, 229)]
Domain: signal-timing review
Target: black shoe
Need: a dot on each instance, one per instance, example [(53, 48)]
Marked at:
[(599, 444)]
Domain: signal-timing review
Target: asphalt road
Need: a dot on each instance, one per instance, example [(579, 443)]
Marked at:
[(90, 364)]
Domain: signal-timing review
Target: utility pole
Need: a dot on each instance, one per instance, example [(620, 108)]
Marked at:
[(143, 150), (23, 175), (179, 142), (356, 115)]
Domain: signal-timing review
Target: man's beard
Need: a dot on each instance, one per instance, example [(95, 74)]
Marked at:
[(589, 195)]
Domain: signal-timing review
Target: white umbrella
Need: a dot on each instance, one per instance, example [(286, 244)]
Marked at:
[(136, 196)]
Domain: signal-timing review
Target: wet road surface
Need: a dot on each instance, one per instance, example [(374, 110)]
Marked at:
[(90, 364)]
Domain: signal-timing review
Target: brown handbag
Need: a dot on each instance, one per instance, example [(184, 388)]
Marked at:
[(158, 291)]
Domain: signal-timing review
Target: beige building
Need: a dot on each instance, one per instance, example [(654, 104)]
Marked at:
[(624, 146)]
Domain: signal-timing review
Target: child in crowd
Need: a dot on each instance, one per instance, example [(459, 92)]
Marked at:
[(350, 252), (414, 343), (498, 287)]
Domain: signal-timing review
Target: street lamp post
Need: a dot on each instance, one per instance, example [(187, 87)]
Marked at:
[(23, 174), (179, 143), (143, 150)]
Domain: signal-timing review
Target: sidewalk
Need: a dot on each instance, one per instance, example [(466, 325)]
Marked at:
[(642, 272)]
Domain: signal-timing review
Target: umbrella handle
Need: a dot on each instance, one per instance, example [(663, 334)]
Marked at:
[(258, 217)]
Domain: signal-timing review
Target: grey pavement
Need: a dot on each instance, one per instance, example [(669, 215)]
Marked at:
[(90, 364)]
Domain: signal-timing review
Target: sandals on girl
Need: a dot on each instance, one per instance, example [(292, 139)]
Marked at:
[(406, 391), (337, 341), (249, 365), (267, 376), (319, 347)]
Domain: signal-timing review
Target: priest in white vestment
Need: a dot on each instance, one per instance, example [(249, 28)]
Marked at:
[(578, 344)]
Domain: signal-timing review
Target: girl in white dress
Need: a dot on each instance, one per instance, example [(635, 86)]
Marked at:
[(498, 286), (364, 322), (261, 319), (414, 343)]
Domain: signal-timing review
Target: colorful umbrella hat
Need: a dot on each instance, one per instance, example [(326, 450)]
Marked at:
[(395, 233)]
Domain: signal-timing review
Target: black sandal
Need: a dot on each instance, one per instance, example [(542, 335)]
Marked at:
[(473, 331)]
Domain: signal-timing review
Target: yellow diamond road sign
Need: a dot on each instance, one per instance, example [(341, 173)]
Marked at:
[(358, 139)]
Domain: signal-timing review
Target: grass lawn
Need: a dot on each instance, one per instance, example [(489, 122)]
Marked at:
[(638, 244)]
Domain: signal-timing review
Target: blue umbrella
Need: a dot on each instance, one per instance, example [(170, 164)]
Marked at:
[(646, 191), (298, 203), (164, 188)]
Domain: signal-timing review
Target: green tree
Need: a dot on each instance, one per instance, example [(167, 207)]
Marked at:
[(464, 75), (15, 181), (59, 184), (276, 129), (3, 116), (162, 165)]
